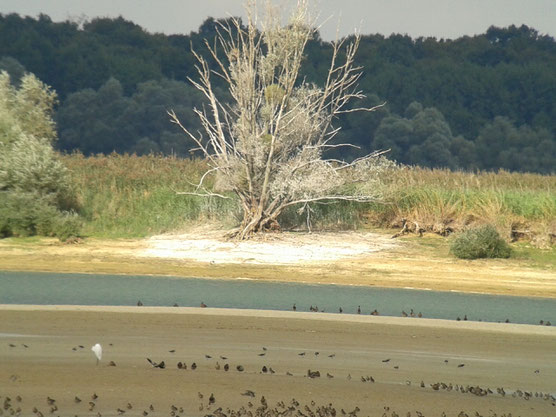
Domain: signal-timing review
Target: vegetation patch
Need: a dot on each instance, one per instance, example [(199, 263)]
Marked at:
[(480, 242)]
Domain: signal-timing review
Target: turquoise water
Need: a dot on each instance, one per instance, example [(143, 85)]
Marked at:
[(84, 289)]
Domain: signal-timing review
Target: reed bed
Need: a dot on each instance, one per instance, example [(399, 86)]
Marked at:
[(132, 196)]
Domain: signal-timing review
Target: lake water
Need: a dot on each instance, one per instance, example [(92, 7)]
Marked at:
[(85, 289)]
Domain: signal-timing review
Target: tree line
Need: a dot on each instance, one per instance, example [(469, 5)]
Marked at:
[(481, 102)]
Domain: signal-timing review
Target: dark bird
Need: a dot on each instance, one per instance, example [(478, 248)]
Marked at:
[(223, 358), (331, 356), (317, 353), (50, 401), (94, 396), (461, 365), (240, 368), (160, 365), (145, 413), (358, 309), (264, 348), (301, 354), (271, 370), (294, 308), (329, 375), (24, 345), (288, 373), (11, 345), (386, 360), (77, 399), (193, 366), (129, 406), (172, 351), (404, 314), (120, 411), (226, 367), (262, 354), (212, 400), (208, 356), (313, 374), (264, 370), (180, 365), (340, 310), (203, 305), (249, 393), (139, 303), (112, 363)]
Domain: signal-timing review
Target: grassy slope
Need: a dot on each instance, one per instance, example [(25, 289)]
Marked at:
[(130, 196)]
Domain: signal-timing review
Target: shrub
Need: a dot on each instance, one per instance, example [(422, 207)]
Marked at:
[(36, 193), (480, 242), (30, 213)]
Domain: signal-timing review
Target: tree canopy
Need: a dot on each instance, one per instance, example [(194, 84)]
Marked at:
[(471, 81), (35, 189)]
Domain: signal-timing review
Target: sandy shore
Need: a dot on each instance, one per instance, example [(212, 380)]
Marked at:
[(397, 354), (362, 258)]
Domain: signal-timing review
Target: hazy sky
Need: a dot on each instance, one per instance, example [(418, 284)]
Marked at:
[(439, 18)]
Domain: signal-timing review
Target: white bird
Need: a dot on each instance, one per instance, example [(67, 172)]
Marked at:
[(97, 350)]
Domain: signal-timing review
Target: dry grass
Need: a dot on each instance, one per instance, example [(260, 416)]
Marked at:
[(131, 196)]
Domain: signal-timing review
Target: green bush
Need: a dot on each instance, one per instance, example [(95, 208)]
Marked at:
[(480, 242), (30, 213), (36, 192)]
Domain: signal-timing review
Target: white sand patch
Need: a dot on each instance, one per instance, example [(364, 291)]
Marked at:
[(282, 248)]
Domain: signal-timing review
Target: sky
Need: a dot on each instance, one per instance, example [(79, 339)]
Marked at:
[(448, 19)]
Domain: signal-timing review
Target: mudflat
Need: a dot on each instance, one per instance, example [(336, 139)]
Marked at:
[(377, 364)]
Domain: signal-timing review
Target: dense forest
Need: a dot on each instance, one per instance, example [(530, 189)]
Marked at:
[(482, 102)]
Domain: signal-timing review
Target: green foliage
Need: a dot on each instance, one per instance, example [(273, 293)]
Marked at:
[(107, 120), (31, 213), (480, 242), (134, 196), (472, 82), (423, 137), (130, 196), (35, 189)]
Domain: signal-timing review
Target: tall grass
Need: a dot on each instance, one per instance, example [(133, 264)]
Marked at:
[(132, 196), (128, 196), (437, 198)]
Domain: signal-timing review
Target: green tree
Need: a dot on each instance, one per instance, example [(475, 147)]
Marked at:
[(501, 145), (35, 189), (423, 137)]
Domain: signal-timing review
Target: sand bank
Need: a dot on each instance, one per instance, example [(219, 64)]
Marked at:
[(397, 355)]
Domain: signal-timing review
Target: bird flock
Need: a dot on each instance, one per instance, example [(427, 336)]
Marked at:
[(257, 405), (411, 313), (375, 312)]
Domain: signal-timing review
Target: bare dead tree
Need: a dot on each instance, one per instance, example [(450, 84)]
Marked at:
[(267, 146)]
